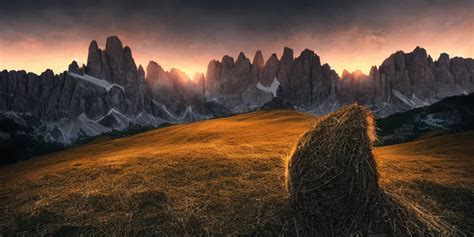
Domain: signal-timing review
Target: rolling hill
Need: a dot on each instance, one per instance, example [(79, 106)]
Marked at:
[(219, 176)]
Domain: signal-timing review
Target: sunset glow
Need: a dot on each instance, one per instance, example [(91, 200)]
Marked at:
[(35, 56), (360, 43)]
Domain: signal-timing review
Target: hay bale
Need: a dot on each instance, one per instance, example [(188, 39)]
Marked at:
[(333, 182), (332, 175)]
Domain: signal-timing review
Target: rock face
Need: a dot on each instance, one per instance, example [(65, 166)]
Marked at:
[(112, 93), (109, 93), (174, 89), (404, 81), (233, 84)]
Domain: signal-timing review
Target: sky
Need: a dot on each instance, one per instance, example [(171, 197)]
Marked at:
[(40, 34)]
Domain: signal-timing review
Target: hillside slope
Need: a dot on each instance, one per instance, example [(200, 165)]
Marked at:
[(452, 114), (222, 176), (218, 176), (436, 172)]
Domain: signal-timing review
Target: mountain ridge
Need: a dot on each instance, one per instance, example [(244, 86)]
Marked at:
[(111, 80), (449, 115)]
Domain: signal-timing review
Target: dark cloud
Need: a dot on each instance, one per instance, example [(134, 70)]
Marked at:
[(199, 18)]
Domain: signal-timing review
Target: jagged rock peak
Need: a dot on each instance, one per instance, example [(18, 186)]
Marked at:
[(178, 75), (443, 60), (113, 42), (307, 52), (198, 77), (326, 67), (273, 59), (287, 55), (129, 61), (241, 57), (114, 50), (93, 48), (345, 74), (94, 61), (270, 70), (141, 72), (228, 60), (373, 71), (153, 71), (127, 50), (357, 74), (309, 56), (258, 60), (418, 55), (420, 50), (214, 61), (73, 67), (443, 57), (49, 74)]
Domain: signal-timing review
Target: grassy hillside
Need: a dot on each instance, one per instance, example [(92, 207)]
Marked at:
[(219, 176), (436, 172)]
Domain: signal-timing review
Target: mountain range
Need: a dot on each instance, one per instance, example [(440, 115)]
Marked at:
[(112, 93)]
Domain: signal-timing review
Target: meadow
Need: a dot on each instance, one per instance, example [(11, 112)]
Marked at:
[(220, 176)]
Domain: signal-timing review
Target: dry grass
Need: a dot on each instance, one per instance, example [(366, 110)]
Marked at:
[(436, 173), (222, 176)]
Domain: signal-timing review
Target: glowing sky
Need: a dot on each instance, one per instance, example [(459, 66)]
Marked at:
[(35, 35)]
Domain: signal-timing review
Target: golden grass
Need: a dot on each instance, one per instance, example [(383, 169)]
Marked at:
[(222, 176), (218, 176), (436, 173)]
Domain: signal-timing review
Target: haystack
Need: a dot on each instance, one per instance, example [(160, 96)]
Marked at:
[(333, 181)]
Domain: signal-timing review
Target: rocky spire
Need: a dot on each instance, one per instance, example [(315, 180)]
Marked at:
[(200, 81), (258, 60), (94, 60), (240, 58), (345, 74), (114, 51), (73, 67), (227, 65), (129, 65), (443, 60), (153, 71), (179, 76), (270, 70), (213, 74), (286, 61), (287, 56), (141, 73)]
